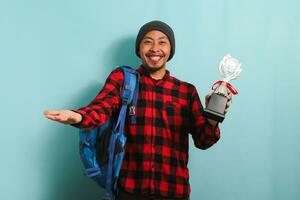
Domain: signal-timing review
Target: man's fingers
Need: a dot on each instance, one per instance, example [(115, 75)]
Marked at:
[(57, 118), (229, 96), (229, 99), (226, 110), (55, 115), (207, 97), (228, 104), (51, 112), (51, 117)]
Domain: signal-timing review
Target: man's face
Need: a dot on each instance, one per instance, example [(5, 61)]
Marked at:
[(155, 50)]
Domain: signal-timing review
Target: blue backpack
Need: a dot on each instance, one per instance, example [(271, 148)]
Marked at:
[(102, 149)]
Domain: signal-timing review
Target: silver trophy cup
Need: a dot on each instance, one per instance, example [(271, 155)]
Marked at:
[(229, 68)]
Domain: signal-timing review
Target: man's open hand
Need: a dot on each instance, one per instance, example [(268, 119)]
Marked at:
[(63, 116)]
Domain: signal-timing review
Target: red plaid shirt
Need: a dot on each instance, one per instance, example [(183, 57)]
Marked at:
[(156, 154)]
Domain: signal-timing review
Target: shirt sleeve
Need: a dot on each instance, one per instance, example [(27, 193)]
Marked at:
[(203, 134), (104, 105)]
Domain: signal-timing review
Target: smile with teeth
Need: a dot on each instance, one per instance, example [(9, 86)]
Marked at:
[(154, 58)]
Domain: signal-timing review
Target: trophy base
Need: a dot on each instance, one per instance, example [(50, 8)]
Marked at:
[(216, 107), (213, 115)]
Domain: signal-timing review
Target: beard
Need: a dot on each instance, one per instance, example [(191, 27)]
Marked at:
[(153, 69)]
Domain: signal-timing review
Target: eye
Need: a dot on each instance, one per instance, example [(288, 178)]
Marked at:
[(162, 42), (147, 41)]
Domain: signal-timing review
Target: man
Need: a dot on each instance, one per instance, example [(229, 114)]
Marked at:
[(156, 154)]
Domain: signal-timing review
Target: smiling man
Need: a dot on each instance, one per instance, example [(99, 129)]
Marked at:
[(153, 46), (167, 111)]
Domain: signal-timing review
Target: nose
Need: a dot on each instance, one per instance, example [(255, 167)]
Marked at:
[(154, 47)]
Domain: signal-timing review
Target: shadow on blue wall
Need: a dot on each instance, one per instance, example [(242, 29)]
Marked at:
[(122, 52), (64, 172)]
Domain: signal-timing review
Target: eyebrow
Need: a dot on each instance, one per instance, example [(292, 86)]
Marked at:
[(162, 37)]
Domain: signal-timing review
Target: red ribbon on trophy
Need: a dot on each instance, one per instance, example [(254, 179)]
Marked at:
[(228, 86)]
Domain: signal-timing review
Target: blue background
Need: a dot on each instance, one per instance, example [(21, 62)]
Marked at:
[(56, 55)]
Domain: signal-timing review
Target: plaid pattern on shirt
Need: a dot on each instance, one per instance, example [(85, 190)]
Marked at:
[(156, 154)]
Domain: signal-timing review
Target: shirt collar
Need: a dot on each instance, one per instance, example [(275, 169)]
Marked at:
[(143, 71)]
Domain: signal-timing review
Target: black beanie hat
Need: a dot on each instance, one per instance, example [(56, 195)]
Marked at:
[(155, 25)]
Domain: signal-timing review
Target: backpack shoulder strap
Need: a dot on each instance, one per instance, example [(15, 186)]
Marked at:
[(129, 96), (130, 84)]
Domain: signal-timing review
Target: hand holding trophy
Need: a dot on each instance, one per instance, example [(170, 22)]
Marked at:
[(230, 68)]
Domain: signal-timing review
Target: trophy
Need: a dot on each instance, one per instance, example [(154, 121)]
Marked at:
[(229, 68)]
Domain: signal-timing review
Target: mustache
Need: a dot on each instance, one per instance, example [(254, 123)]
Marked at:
[(154, 54)]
